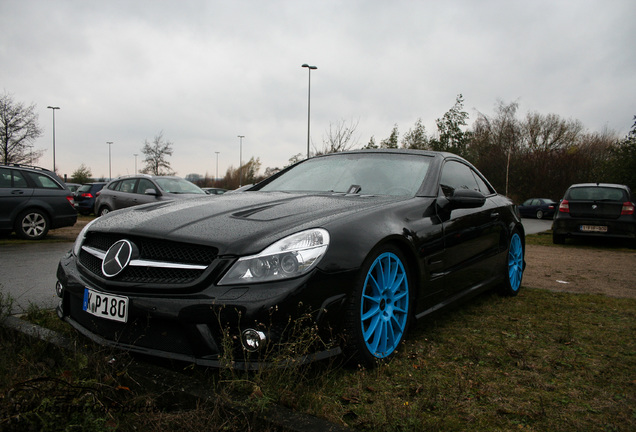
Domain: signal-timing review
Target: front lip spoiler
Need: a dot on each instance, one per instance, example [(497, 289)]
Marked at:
[(243, 365)]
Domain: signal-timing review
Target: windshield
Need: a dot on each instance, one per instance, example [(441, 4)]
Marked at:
[(178, 186), (368, 174)]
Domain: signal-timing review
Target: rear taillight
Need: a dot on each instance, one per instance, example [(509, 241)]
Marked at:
[(70, 199), (628, 208), (97, 194), (564, 207), (87, 195)]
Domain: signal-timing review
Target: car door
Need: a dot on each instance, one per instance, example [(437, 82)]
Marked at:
[(141, 197), (124, 195), (15, 193), (472, 236)]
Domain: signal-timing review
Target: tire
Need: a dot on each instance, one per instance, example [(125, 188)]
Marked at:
[(514, 267), (539, 214), (379, 311), (32, 225), (102, 211)]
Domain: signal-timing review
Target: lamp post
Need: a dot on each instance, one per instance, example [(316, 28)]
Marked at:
[(217, 167), (110, 175), (53, 108), (309, 68), (135, 155), (241, 159)]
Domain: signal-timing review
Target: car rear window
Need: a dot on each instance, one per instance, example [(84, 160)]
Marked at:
[(597, 193)]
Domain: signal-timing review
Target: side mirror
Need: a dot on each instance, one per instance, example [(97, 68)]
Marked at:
[(151, 192), (463, 199)]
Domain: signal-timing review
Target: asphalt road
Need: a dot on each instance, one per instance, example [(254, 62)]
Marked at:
[(27, 271)]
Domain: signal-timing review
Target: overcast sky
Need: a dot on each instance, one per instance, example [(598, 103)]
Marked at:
[(204, 72)]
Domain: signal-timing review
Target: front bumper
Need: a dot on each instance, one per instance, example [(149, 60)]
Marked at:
[(204, 326)]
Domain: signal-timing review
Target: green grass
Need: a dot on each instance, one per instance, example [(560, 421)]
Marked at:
[(536, 362)]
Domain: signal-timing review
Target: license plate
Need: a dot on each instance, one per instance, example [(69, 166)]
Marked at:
[(593, 228), (108, 306)]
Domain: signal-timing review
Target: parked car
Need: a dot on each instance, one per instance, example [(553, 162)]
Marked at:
[(73, 187), (595, 210), (85, 197), (214, 191), (538, 207), (130, 191), (32, 201), (338, 242)]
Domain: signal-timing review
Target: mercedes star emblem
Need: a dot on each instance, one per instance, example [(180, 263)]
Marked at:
[(117, 258)]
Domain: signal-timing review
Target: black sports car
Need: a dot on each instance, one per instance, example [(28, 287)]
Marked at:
[(360, 242)]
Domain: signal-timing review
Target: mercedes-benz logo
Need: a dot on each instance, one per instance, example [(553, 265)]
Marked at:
[(117, 258)]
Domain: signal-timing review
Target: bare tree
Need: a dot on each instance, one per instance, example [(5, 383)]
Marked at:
[(248, 174), (340, 137), (19, 128), (156, 154)]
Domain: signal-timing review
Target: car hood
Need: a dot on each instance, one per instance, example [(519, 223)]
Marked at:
[(237, 224)]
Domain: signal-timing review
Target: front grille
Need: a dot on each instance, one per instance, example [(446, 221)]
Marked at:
[(151, 250)]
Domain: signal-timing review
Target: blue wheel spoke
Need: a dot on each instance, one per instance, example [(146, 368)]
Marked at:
[(373, 327), (374, 310)]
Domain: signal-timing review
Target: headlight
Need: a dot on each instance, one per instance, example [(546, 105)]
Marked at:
[(80, 238), (290, 257)]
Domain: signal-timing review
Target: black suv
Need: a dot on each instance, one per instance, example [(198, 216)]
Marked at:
[(595, 210), (32, 201), (139, 189)]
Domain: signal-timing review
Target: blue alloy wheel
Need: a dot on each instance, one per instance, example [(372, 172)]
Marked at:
[(385, 304), (515, 262)]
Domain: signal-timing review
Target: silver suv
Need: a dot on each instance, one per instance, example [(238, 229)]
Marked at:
[(32, 201), (130, 191)]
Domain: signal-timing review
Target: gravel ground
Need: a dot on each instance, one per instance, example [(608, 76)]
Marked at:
[(581, 270)]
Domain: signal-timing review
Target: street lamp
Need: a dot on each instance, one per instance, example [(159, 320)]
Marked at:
[(309, 68), (241, 159), (110, 175), (217, 167), (53, 108), (135, 155)]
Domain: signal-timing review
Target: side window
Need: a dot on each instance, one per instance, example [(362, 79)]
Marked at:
[(456, 175), (127, 185), (19, 180), (143, 185), (483, 186), (44, 182), (5, 178)]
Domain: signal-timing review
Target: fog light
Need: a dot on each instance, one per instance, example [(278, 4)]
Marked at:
[(253, 340), (59, 289)]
